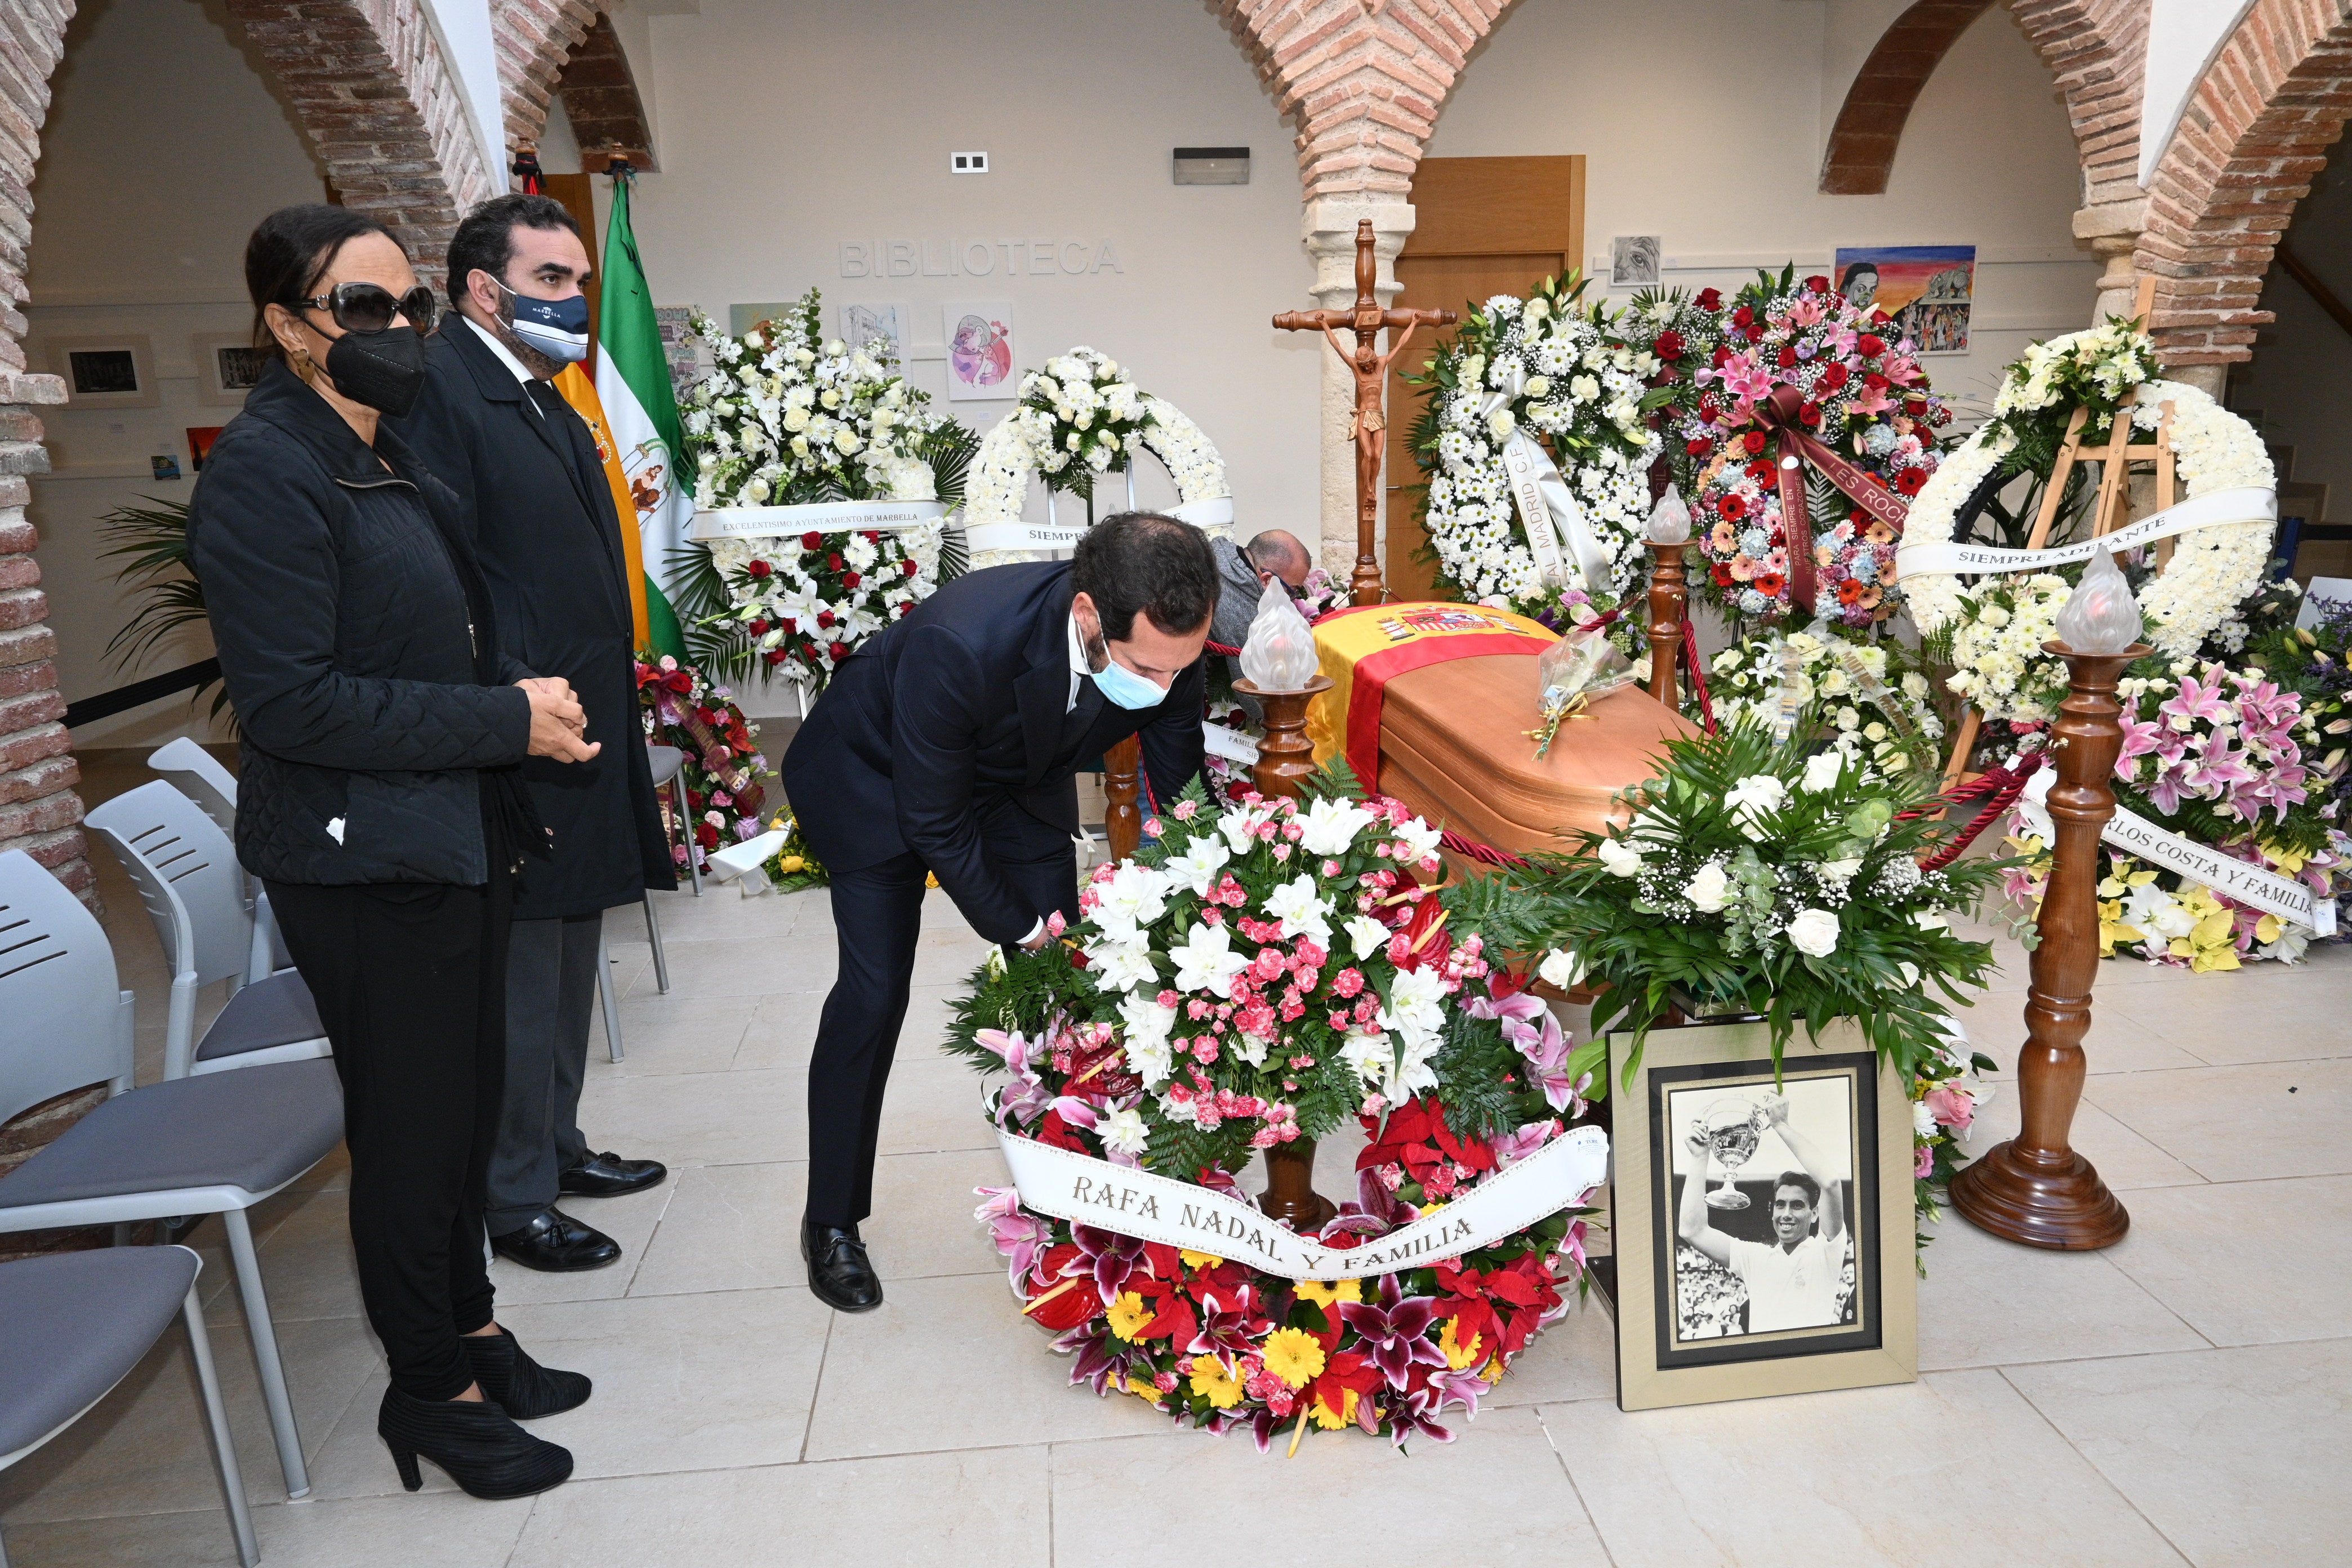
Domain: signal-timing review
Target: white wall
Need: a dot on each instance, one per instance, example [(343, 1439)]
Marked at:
[(1704, 121), (163, 146)]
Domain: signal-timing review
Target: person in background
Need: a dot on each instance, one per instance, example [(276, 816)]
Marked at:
[(1243, 573), (380, 802), (533, 498), (949, 744)]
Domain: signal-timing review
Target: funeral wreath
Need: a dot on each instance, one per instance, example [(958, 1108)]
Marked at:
[(1257, 974)]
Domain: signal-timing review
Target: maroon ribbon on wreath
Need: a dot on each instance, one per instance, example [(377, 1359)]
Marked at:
[(1782, 414)]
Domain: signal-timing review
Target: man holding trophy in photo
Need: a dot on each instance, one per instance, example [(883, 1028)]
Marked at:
[(1793, 1281)]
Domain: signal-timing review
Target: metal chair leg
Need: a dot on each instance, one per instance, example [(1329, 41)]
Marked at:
[(677, 787), (652, 934), (612, 1003), (225, 1466), (264, 1334)]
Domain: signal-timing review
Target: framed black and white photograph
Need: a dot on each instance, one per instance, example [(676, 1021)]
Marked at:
[(228, 366), (1634, 261), (1763, 1220), (106, 373)]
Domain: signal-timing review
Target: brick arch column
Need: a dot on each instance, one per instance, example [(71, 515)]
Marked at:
[(383, 111), (2258, 127), (534, 38), (1869, 126), (2097, 51), (1361, 83)]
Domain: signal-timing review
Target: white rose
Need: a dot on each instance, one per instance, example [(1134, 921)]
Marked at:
[(1753, 796), (1931, 919), (1561, 968), (1814, 932), (1822, 772), (1620, 859), (1711, 889)]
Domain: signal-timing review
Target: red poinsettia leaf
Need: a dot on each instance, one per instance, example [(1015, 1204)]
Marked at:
[(1506, 1286)]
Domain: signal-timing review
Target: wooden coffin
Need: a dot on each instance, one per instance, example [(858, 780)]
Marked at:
[(1454, 746)]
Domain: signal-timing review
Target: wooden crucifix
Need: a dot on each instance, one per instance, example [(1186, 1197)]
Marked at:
[(1369, 426)]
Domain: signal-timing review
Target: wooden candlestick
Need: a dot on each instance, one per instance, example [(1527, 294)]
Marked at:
[(1669, 604), (1122, 816), (1284, 759), (1367, 426), (2034, 1188)]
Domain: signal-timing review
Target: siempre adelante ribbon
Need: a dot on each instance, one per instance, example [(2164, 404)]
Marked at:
[(1087, 1191), (2248, 883), (2215, 509)]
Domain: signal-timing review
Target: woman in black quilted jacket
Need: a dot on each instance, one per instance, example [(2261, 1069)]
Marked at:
[(379, 801)]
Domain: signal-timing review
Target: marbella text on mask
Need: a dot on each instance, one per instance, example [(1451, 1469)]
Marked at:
[(556, 328), (383, 370)]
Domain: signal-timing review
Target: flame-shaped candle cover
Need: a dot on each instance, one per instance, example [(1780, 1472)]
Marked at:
[(1669, 519), (2101, 617), (1279, 653)]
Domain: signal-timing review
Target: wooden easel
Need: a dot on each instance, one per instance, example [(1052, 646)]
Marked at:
[(2113, 508)]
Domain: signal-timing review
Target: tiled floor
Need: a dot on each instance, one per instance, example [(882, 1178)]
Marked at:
[(2181, 1397)]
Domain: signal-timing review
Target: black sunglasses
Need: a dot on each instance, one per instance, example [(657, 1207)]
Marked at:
[(370, 307)]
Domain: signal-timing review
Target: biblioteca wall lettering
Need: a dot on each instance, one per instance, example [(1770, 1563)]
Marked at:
[(1045, 257)]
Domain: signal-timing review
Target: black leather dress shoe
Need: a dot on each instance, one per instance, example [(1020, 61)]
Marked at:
[(555, 1243), (608, 1175), (839, 1272)]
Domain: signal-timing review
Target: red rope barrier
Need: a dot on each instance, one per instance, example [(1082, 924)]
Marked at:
[(1697, 675), (1449, 839), (2002, 784)]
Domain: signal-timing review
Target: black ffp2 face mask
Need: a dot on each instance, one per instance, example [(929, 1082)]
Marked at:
[(384, 370)]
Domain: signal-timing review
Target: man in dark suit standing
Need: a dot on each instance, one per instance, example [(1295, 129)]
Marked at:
[(950, 743), (536, 500)]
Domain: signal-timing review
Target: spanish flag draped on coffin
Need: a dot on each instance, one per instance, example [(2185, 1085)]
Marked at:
[(1431, 703)]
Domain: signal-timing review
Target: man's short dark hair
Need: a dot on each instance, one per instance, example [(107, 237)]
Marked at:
[(1141, 561), (1813, 1189), (485, 241)]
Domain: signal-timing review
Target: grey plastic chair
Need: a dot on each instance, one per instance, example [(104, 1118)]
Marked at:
[(77, 1323), (200, 775), (668, 762), (216, 1143), (187, 876)]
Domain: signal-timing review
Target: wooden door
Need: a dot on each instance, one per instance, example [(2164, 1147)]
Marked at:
[(1483, 227)]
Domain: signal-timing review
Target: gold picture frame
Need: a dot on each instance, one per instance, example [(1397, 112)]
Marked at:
[(1686, 1322)]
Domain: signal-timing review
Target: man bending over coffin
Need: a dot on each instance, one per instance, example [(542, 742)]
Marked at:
[(950, 743)]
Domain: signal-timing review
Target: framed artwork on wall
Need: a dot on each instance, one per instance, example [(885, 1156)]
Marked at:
[(860, 325), (1763, 1222), (1927, 289), (980, 352), (228, 366), (116, 372)]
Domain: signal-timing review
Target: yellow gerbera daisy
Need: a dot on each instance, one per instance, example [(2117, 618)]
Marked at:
[(1199, 1259), (1129, 1314), (1324, 1292), (1294, 1355), (1330, 1420), (1457, 1355), (1213, 1382)]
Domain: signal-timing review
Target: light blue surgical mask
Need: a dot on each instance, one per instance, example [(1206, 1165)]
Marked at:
[(1123, 687), (556, 328)]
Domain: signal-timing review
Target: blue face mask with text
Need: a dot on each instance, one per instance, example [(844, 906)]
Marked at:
[(556, 328)]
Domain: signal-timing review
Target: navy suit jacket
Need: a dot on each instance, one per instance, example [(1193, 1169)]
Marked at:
[(954, 712)]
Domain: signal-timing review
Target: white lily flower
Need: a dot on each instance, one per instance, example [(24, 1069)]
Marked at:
[(1205, 961)]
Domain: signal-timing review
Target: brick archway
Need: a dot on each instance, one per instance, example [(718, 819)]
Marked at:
[(534, 38), (1869, 125), (1360, 82), (2097, 51), (383, 111), (2258, 127)]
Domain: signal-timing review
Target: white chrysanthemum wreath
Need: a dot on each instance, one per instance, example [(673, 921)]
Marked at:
[(1552, 366), (1080, 417), (2213, 569)]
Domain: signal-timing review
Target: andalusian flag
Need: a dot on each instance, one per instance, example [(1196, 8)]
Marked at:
[(577, 390), (632, 383)]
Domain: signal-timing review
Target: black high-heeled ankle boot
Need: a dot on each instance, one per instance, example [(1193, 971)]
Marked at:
[(475, 1441), (523, 1389)]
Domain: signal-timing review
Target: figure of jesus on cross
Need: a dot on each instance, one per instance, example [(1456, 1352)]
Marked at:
[(1369, 426)]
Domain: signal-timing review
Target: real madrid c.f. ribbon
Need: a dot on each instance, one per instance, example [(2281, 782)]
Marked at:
[(1087, 1191)]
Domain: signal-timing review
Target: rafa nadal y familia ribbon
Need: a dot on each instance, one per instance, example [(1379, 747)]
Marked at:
[(1783, 414)]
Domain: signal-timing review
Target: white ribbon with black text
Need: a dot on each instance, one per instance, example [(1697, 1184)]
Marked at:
[(2243, 503), (2240, 880), (817, 517), (1087, 1191)]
